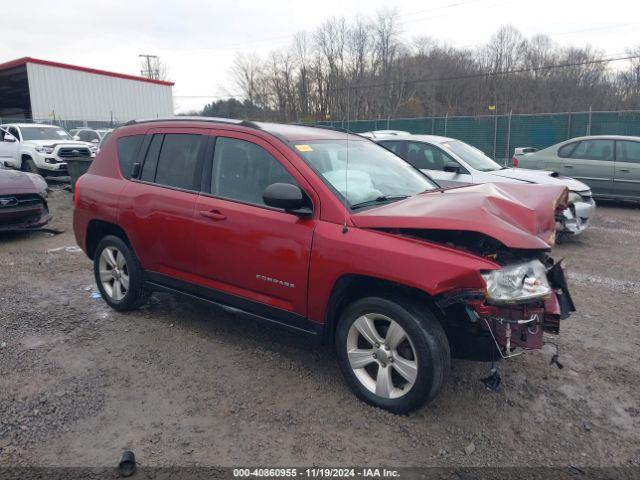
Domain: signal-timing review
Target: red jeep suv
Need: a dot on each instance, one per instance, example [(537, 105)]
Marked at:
[(330, 235)]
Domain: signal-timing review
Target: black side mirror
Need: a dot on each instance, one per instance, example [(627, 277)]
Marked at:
[(452, 167), (135, 170), (286, 196)]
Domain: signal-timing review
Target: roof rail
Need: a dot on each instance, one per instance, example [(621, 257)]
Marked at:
[(338, 129), (230, 121)]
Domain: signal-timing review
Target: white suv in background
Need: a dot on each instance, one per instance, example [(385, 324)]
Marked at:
[(39, 148)]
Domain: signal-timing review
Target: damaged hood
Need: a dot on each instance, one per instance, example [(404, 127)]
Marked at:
[(517, 215), (541, 177)]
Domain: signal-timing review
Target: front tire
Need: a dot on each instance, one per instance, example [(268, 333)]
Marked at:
[(393, 354), (29, 166), (118, 274)]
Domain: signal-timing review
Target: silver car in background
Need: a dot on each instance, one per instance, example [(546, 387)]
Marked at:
[(451, 162), (609, 164)]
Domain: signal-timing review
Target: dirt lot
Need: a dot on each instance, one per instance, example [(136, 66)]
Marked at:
[(181, 384)]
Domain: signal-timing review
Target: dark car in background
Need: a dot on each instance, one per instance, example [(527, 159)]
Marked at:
[(23, 201)]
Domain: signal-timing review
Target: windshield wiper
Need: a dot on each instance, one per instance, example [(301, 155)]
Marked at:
[(377, 200)]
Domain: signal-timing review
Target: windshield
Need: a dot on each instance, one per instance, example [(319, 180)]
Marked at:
[(474, 157), (374, 173), (44, 133)]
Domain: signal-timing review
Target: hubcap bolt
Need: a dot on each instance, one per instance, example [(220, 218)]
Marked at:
[(391, 360), (375, 355), (386, 347), (382, 365), (377, 345)]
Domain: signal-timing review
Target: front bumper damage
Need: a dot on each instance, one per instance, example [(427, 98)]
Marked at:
[(574, 219), (23, 213), (485, 331)]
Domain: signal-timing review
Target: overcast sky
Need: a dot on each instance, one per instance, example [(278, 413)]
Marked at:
[(198, 39)]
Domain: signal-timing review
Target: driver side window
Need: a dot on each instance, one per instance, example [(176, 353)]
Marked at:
[(427, 157), (242, 170)]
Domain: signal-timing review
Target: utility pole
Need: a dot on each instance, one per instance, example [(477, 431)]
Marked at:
[(150, 72)]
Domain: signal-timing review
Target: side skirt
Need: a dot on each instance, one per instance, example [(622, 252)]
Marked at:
[(235, 305)]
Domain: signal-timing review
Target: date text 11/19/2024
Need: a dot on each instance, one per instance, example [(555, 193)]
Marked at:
[(315, 472)]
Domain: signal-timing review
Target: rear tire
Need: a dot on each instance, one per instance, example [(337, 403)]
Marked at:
[(119, 275), (393, 354)]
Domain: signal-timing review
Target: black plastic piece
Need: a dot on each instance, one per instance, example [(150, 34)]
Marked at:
[(554, 360), (127, 465), (493, 381), (558, 281)]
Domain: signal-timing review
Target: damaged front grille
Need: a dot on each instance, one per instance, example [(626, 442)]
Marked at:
[(21, 210)]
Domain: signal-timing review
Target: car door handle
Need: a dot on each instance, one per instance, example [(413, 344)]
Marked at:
[(213, 214), (568, 166), (625, 170)]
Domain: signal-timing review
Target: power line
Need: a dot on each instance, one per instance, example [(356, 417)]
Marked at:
[(607, 28), (490, 74)]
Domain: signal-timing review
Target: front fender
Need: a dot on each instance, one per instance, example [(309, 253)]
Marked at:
[(429, 267)]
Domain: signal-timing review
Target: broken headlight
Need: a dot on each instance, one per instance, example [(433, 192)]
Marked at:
[(575, 197), (517, 283)]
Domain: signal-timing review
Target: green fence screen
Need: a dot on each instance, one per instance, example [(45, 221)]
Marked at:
[(498, 135)]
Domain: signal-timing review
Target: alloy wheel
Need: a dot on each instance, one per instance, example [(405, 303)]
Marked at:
[(114, 274), (382, 355)]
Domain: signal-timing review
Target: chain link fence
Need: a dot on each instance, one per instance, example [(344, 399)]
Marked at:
[(498, 135)]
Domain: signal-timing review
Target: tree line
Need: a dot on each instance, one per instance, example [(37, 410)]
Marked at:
[(365, 69)]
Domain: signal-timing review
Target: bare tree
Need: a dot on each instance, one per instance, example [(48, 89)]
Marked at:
[(365, 69)]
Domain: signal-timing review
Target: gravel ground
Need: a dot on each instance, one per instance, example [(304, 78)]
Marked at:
[(182, 384)]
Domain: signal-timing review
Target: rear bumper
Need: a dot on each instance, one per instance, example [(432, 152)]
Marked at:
[(575, 218)]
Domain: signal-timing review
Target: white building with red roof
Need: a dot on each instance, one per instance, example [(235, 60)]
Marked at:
[(34, 89)]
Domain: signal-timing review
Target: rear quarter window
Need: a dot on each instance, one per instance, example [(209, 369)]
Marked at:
[(565, 151), (128, 148)]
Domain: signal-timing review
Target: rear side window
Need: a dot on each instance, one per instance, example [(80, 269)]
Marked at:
[(594, 150), (627, 151), (178, 160), (128, 148), (565, 152)]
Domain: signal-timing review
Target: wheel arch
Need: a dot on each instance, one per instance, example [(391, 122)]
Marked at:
[(24, 156), (97, 230), (351, 287)]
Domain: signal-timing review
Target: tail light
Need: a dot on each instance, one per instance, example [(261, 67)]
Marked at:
[(76, 193), (515, 161)]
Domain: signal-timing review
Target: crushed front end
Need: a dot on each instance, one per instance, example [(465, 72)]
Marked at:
[(521, 302)]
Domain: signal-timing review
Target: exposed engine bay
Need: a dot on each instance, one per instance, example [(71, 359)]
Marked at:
[(504, 328)]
